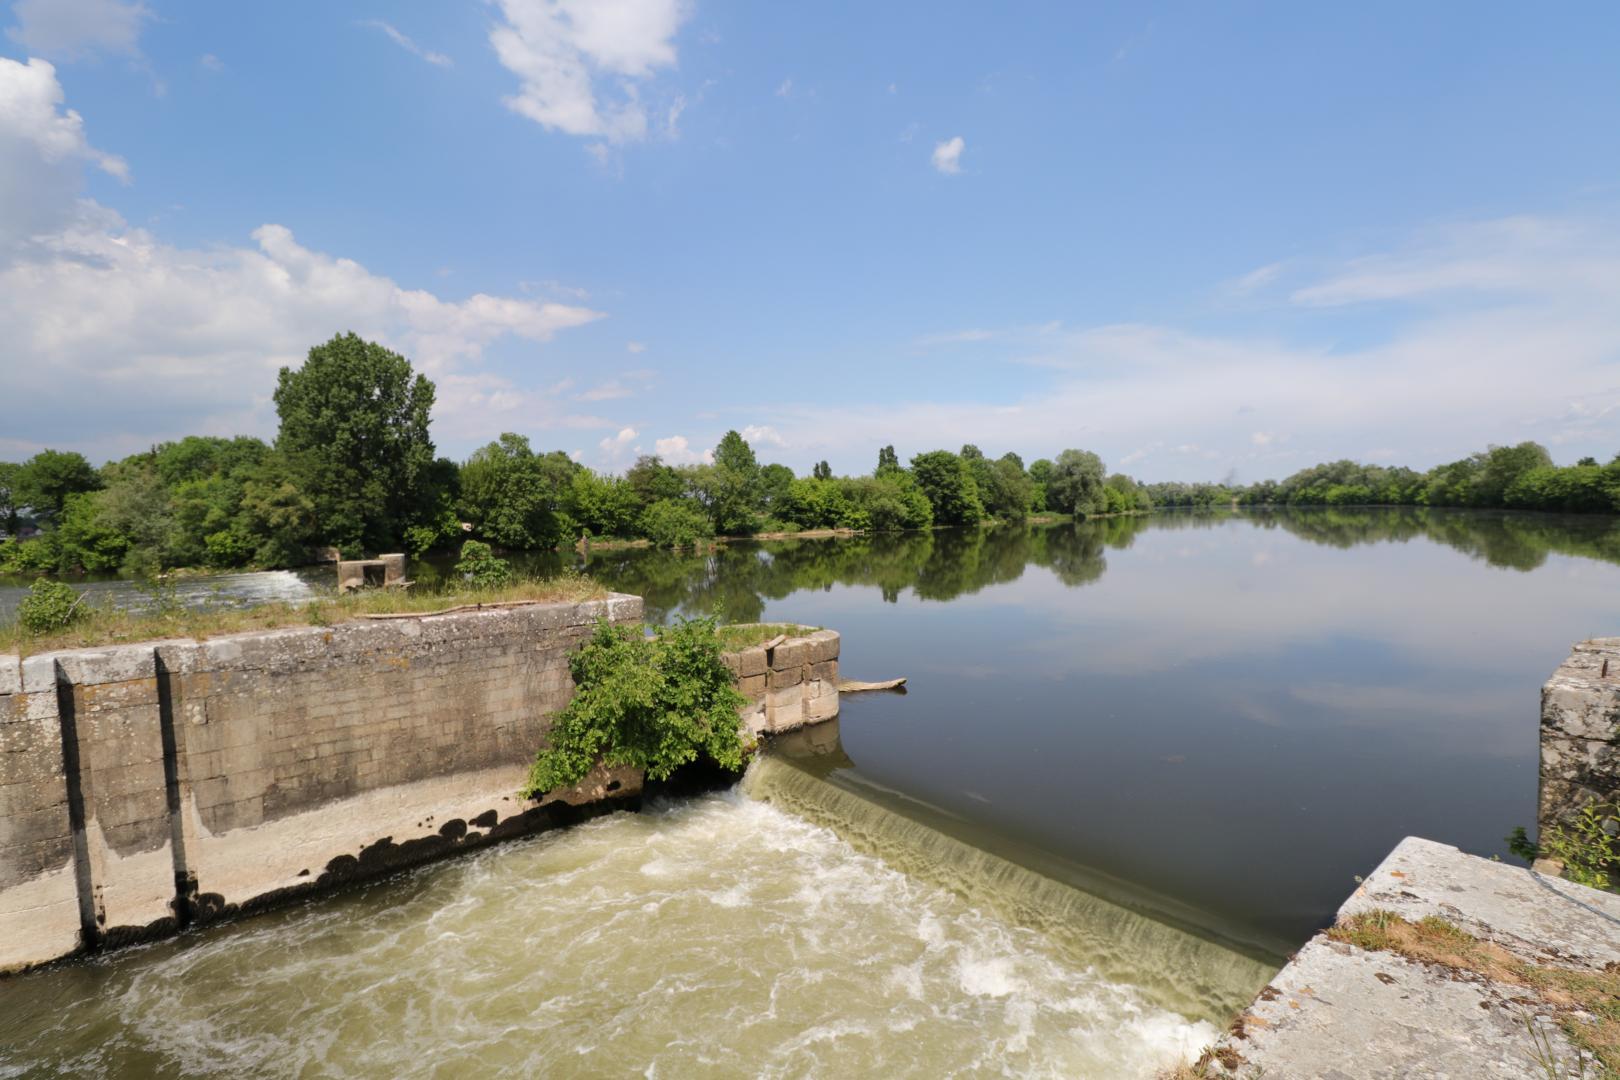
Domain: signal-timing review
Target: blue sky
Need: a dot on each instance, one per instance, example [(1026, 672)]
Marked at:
[(1202, 240)]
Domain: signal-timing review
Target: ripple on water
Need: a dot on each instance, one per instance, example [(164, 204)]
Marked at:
[(720, 936)]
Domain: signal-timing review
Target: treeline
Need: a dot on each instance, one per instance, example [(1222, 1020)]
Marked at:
[(353, 467), (1521, 477)]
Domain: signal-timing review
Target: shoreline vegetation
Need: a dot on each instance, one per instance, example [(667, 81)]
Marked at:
[(353, 468)]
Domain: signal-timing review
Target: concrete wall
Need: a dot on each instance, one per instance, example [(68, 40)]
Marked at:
[(790, 685), (147, 787), (1580, 731)]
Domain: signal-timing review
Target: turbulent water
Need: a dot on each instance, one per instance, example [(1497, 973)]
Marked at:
[(722, 936)]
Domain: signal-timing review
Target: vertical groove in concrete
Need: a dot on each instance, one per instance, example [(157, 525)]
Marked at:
[(176, 788), (83, 875)]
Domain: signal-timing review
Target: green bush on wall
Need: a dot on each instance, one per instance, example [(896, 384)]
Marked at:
[(651, 703)]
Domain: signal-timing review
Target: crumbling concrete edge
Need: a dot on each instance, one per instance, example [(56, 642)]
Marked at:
[(1337, 1011)]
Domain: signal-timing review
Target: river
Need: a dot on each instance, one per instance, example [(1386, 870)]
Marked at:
[(1139, 761)]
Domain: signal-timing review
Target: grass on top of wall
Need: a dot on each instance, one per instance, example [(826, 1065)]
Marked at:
[(746, 635), (99, 626)]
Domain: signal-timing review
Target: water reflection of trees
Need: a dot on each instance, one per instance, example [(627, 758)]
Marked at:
[(738, 580), (1514, 541)]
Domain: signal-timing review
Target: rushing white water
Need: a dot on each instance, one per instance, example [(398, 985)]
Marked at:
[(718, 937)]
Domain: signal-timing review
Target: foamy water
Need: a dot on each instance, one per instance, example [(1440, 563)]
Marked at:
[(716, 937)]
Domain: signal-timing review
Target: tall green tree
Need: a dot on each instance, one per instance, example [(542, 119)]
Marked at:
[(888, 461), (354, 432), (47, 479), (652, 481), (948, 483), (1076, 484), (515, 497)]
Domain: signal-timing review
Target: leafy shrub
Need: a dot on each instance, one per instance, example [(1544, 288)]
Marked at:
[(652, 703), (480, 566), (49, 606), (1588, 849), (673, 523)]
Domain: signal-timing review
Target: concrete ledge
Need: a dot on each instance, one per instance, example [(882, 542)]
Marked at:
[(1337, 1011), (145, 787)]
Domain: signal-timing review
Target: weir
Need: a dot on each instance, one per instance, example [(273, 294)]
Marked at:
[(1171, 967)]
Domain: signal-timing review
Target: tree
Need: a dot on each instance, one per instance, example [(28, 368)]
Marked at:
[(10, 519), (734, 453), (888, 462), (47, 479), (1502, 466), (1004, 487), (652, 481), (1040, 475), (515, 497), (1076, 484), (821, 471), (354, 432), (948, 483), (774, 481)]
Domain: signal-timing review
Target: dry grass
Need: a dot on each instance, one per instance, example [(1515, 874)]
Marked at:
[(102, 626), (746, 635), (1587, 1003)]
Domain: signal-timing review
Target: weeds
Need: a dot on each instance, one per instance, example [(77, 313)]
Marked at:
[(1587, 1003), (106, 626), (733, 638)]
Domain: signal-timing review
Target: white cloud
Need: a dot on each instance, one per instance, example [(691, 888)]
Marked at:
[(1515, 256), (786, 89), (210, 62), (561, 50), (43, 150), (176, 340), (620, 386), (437, 59), (1495, 332), (634, 347), (757, 435), (611, 390), (68, 29), (1262, 438), (948, 155), (675, 450), (615, 448)]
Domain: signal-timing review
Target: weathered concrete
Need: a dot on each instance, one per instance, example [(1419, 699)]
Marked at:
[(1580, 732), (145, 787), (788, 684), (39, 896), (1337, 1011)]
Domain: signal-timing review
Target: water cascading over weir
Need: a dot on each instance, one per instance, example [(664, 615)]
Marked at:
[(1177, 968)]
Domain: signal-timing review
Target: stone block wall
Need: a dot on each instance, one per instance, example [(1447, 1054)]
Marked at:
[(1580, 732), (146, 787), (789, 685)]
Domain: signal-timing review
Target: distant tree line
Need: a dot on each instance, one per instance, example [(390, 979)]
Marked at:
[(1521, 477), (353, 467)]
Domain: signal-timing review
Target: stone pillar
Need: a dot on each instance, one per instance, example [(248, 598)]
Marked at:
[(1580, 732), (789, 685)]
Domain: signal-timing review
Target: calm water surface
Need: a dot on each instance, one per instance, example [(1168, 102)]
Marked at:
[(1215, 721)]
